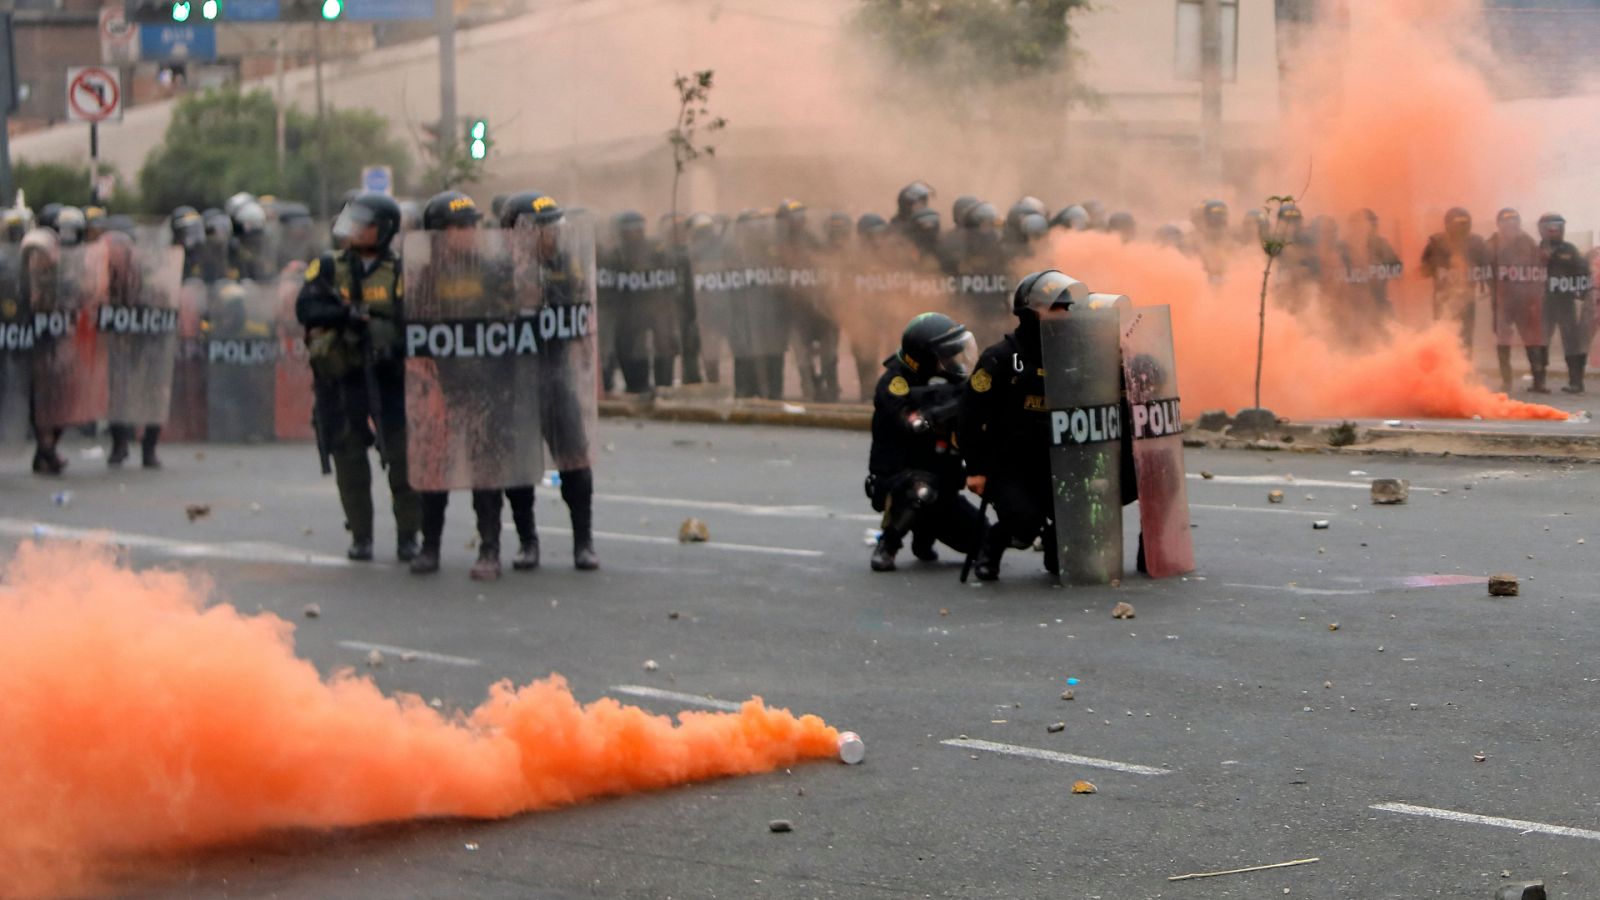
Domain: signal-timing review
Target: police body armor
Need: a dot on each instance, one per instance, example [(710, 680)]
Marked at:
[(472, 354)]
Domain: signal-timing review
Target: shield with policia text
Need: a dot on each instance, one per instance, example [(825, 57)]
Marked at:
[(186, 420), (139, 325), (562, 269), (295, 389), (1083, 390), (66, 288), (473, 352), (241, 362), (16, 351), (1156, 426)]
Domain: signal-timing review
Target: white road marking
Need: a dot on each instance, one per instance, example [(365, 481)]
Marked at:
[(745, 509), (1250, 509), (1053, 756), (673, 542), (407, 653), (639, 690), (1282, 481), (1448, 815), (238, 551)]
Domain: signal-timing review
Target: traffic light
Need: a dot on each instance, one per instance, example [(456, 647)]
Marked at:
[(210, 9), (172, 12), (478, 139), (180, 11), (310, 10), (332, 10)]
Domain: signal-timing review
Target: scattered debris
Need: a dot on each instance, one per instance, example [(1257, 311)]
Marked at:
[(852, 750), (1068, 695), (1357, 473), (693, 531), (255, 509), (471, 845), (1479, 757), (1122, 611), (312, 611), (197, 511), (1084, 787), (1528, 890), (374, 659), (1282, 865), (943, 611), (651, 665), (780, 826), (1503, 585), (1213, 420), (1056, 728), (1333, 626), (1327, 685), (1320, 525), (1275, 496), (436, 703), (61, 498), (1390, 491), (1342, 434), (1207, 475), (408, 656)]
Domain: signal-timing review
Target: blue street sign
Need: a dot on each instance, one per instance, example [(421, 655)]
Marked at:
[(250, 11), (177, 42), (378, 179), (387, 10)]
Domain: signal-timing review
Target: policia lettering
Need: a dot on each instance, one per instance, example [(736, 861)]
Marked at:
[(1086, 425), (1156, 418), (522, 336), (138, 320)]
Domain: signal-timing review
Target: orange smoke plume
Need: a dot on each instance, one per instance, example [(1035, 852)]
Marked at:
[(1419, 372), (139, 720)]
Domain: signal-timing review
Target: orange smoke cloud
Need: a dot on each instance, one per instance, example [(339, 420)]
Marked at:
[(1419, 372), (138, 720)]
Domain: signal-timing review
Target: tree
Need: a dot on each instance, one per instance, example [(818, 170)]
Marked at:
[(694, 114), (966, 43), (446, 165), (222, 142)]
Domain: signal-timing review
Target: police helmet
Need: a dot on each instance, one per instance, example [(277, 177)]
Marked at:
[(935, 344), (1048, 291), (1122, 223), (369, 208), (1215, 214), (249, 218), (913, 195), (70, 224), (1552, 227), (47, 215), (1034, 226), (1072, 218), (981, 215), (537, 207), (926, 221), (450, 209), (1457, 222), (958, 209), (870, 224)]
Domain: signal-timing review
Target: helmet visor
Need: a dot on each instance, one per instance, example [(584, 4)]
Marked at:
[(1051, 293), (353, 219), (958, 357)]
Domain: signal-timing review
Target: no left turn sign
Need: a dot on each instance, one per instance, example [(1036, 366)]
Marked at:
[(94, 94)]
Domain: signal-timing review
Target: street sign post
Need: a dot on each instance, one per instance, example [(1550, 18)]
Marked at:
[(94, 94), (119, 38), (378, 179)]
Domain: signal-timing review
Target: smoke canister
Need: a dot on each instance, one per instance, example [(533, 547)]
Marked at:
[(851, 749)]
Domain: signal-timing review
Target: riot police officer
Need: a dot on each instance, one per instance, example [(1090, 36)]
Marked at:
[(1518, 291), (349, 306), (1458, 262), (1004, 427), (915, 474), (1567, 304), (188, 232), (567, 373)]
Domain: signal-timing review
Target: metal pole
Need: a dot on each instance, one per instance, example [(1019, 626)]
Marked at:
[(282, 124), (322, 125), (8, 96), (445, 17), (1211, 85), (94, 163)]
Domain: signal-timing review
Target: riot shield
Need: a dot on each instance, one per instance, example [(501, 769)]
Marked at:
[(16, 351), (139, 326), (1083, 391), (758, 320), (1151, 375), (241, 362), (67, 286), (637, 301), (294, 392), (471, 337), (561, 268), (186, 420), (712, 283)]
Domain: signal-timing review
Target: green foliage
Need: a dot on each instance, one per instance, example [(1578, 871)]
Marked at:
[(447, 166), (222, 142), (51, 182), (969, 42), (694, 116)]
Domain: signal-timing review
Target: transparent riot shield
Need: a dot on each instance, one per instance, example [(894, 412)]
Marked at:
[(1156, 426), (473, 360), (712, 277), (67, 286), (16, 351), (186, 420), (1083, 390), (139, 325), (241, 362), (295, 397), (561, 263)]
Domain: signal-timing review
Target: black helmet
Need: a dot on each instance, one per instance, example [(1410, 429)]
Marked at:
[(838, 225), (187, 227), (958, 210), (870, 224), (290, 212), (926, 222), (48, 214), (1552, 227), (1031, 204), (1508, 215), (1044, 292), (1122, 223), (369, 208), (911, 196), (537, 206), (1288, 212), (980, 215), (935, 344), (450, 209), (1072, 218), (1457, 222), (1097, 213), (630, 225), (1215, 214), (1034, 227)]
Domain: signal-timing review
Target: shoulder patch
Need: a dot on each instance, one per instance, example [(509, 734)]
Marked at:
[(981, 382), (315, 269), (898, 386)]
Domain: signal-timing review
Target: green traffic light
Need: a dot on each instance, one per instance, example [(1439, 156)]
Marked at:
[(478, 150), (180, 11), (332, 9), (210, 9), (480, 130)]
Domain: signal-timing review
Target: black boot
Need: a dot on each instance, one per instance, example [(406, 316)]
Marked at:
[(120, 435), (883, 554), (147, 446), (1539, 359), (987, 563), (426, 562), (405, 547), (577, 489), (48, 462), (1139, 560), (1504, 354), (487, 568), (360, 549), (527, 557), (1575, 366), (922, 548)]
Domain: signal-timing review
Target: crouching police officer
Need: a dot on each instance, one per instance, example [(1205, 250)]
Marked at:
[(348, 306), (915, 471)]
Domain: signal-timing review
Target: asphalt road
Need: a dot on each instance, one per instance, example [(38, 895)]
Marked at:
[(1226, 726)]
